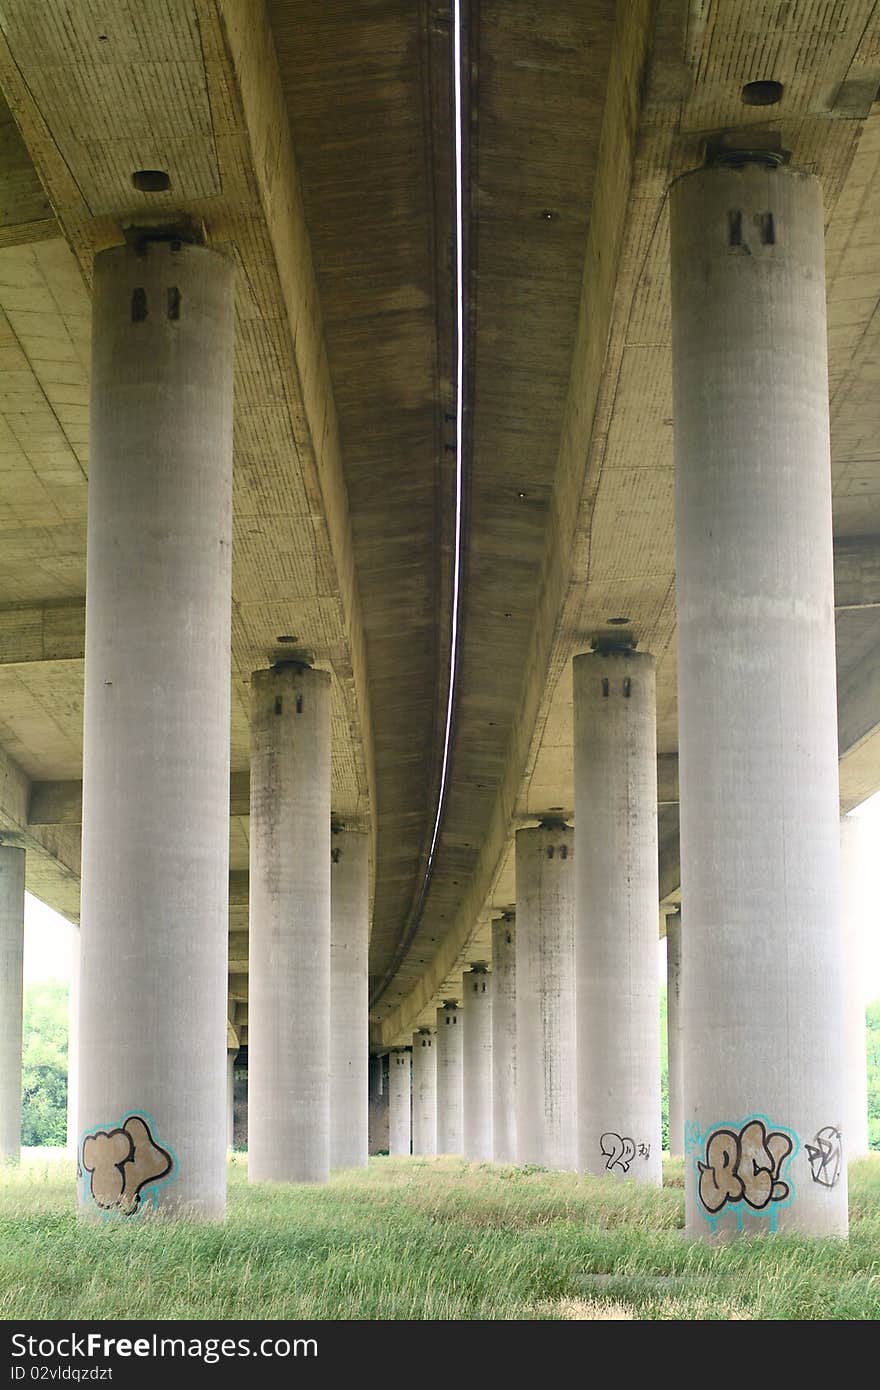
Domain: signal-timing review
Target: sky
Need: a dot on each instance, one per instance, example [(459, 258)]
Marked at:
[(48, 937)]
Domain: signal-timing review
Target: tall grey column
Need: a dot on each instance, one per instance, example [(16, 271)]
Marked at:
[(760, 852), (73, 1044), (155, 835), (859, 899), (400, 1103), (289, 984), (674, 1051), (231, 1054), (449, 1079), (424, 1092), (504, 1039), (12, 867), (546, 1084), (349, 999), (476, 1020), (616, 896)]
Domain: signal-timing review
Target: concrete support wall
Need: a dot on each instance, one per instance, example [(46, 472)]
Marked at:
[(155, 835), (674, 1050), (616, 896), (424, 1087), (546, 1088), (12, 870), (349, 999), (400, 1103), (449, 1080), (859, 901), (504, 1040), (760, 853), (476, 1019), (289, 985)]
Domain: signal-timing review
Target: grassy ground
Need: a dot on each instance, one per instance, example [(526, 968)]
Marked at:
[(412, 1238)]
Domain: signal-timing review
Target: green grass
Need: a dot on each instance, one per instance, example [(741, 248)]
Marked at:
[(425, 1239)]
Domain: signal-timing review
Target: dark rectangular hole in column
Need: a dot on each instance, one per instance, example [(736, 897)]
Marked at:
[(174, 302), (138, 305), (627, 688), (767, 229), (279, 704), (299, 704), (605, 686), (734, 228)]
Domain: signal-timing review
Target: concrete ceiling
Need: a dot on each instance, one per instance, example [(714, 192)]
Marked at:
[(313, 142)]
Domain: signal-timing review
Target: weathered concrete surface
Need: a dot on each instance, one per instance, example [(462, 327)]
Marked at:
[(450, 1095), (476, 1022), (504, 1039), (289, 1004), (760, 851), (424, 1093), (155, 853), (546, 1072), (12, 872), (400, 1103), (349, 1021), (616, 894), (674, 1051)]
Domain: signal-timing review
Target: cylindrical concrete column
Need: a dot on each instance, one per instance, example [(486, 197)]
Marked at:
[(504, 1039), (449, 1079), (155, 836), (289, 984), (546, 1085), (424, 1088), (859, 898), (12, 867), (349, 999), (674, 1051), (231, 1054), (476, 1022), (73, 1044), (757, 714), (616, 896), (400, 1103)]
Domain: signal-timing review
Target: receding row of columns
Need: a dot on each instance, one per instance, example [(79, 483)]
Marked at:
[(760, 1019)]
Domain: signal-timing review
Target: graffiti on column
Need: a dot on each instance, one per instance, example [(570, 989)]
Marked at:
[(742, 1167), (125, 1165), (619, 1151), (825, 1156)]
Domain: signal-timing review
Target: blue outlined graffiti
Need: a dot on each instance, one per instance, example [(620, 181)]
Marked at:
[(122, 1166), (741, 1168)]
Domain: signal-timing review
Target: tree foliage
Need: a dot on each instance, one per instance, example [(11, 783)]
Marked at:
[(44, 1065)]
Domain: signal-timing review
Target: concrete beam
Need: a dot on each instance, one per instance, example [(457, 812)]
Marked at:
[(857, 573), (50, 632), (60, 803), (53, 859)]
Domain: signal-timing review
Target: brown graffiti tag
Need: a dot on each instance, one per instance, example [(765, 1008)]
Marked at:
[(744, 1165), (122, 1162)]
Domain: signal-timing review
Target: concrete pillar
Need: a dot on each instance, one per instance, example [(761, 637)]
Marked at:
[(289, 984), (450, 1096), (757, 713), (546, 1087), (476, 1022), (504, 1039), (424, 1087), (400, 1103), (616, 896), (349, 999), (73, 1044), (231, 1054), (859, 907), (155, 834), (12, 866), (674, 1051)]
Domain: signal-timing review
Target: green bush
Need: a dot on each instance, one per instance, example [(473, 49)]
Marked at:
[(44, 1066)]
